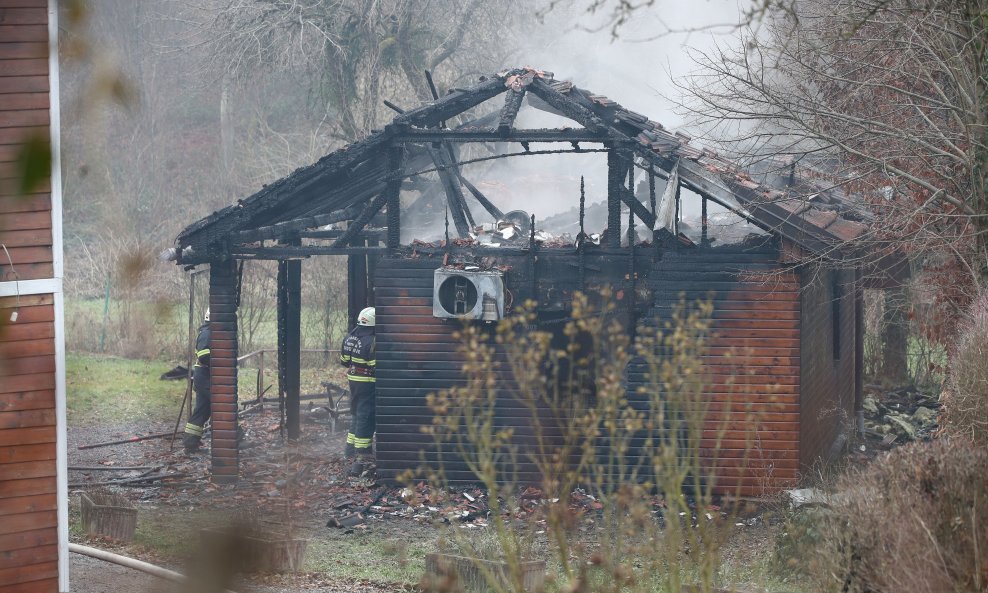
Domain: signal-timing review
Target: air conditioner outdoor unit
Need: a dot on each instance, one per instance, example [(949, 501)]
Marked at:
[(468, 294)]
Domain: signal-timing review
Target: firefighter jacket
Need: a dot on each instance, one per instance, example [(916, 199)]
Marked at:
[(200, 371), (358, 354)]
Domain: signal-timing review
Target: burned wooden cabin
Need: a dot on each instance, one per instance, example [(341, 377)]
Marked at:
[(800, 330)]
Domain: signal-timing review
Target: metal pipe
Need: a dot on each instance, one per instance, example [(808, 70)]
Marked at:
[(128, 562)]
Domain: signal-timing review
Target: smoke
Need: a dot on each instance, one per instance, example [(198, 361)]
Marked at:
[(636, 69)]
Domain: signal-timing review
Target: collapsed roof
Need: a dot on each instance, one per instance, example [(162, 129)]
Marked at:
[(349, 184)]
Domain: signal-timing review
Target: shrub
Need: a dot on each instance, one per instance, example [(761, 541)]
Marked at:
[(966, 403), (913, 520)]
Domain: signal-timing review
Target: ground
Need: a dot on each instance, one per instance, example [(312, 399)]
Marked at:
[(291, 488)]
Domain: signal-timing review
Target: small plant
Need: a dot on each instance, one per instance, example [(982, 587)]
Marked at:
[(627, 421)]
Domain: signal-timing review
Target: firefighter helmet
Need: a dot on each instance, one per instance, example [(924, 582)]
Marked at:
[(366, 317)]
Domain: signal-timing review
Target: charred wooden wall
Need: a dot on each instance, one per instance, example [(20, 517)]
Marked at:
[(827, 371), (417, 355), (752, 362), (28, 418)]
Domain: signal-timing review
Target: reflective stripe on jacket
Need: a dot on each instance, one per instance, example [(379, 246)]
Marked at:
[(358, 354)]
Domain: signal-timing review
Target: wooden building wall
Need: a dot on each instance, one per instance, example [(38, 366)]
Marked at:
[(31, 482), (752, 363), (753, 360), (828, 376), (25, 221), (416, 355)]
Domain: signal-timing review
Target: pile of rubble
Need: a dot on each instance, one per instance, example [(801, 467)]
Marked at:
[(900, 416)]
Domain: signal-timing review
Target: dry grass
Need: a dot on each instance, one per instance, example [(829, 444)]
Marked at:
[(914, 520), (966, 404)]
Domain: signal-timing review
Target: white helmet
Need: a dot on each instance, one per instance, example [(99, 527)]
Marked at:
[(206, 316), (366, 317)]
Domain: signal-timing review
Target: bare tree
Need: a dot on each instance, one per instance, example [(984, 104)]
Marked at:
[(884, 97), (356, 53)]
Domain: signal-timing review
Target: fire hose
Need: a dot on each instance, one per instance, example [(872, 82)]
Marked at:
[(129, 562)]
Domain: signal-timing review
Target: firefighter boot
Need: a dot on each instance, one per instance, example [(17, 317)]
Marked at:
[(191, 443), (362, 465), (349, 452)]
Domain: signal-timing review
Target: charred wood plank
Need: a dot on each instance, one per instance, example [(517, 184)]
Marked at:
[(289, 338), (336, 233), (274, 253), (480, 197), (361, 221), (272, 198), (512, 103), (454, 194), (567, 107), (451, 105), (637, 207), (283, 229), (618, 162), (396, 157)]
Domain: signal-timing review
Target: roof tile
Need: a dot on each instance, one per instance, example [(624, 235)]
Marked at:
[(846, 230)]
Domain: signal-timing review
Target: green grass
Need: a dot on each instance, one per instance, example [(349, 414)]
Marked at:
[(111, 390), (371, 555), (103, 389), (160, 329)]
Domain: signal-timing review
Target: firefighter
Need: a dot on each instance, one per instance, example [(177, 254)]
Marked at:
[(200, 383), (358, 354)]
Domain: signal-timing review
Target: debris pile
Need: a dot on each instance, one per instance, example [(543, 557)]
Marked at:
[(899, 416)]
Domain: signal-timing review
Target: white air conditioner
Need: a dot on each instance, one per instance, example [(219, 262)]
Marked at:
[(468, 294)]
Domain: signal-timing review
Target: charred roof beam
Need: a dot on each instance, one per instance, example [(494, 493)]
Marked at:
[(512, 103), (536, 135), (451, 184)]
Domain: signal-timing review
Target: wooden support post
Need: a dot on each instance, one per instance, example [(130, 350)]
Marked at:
[(393, 194), (289, 342), (651, 191), (617, 163), (704, 241), (223, 370), (582, 237), (859, 329)]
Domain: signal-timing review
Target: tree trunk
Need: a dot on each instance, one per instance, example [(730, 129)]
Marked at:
[(895, 337)]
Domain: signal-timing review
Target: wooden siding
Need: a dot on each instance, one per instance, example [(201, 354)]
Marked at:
[(753, 361), (25, 221), (28, 497), (28, 503), (752, 364), (827, 399)]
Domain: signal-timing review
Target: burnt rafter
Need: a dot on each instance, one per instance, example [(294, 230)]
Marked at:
[(349, 183), (454, 194), (480, 197), (512, 103), (283, 229), (361, 221), (568, 108)]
